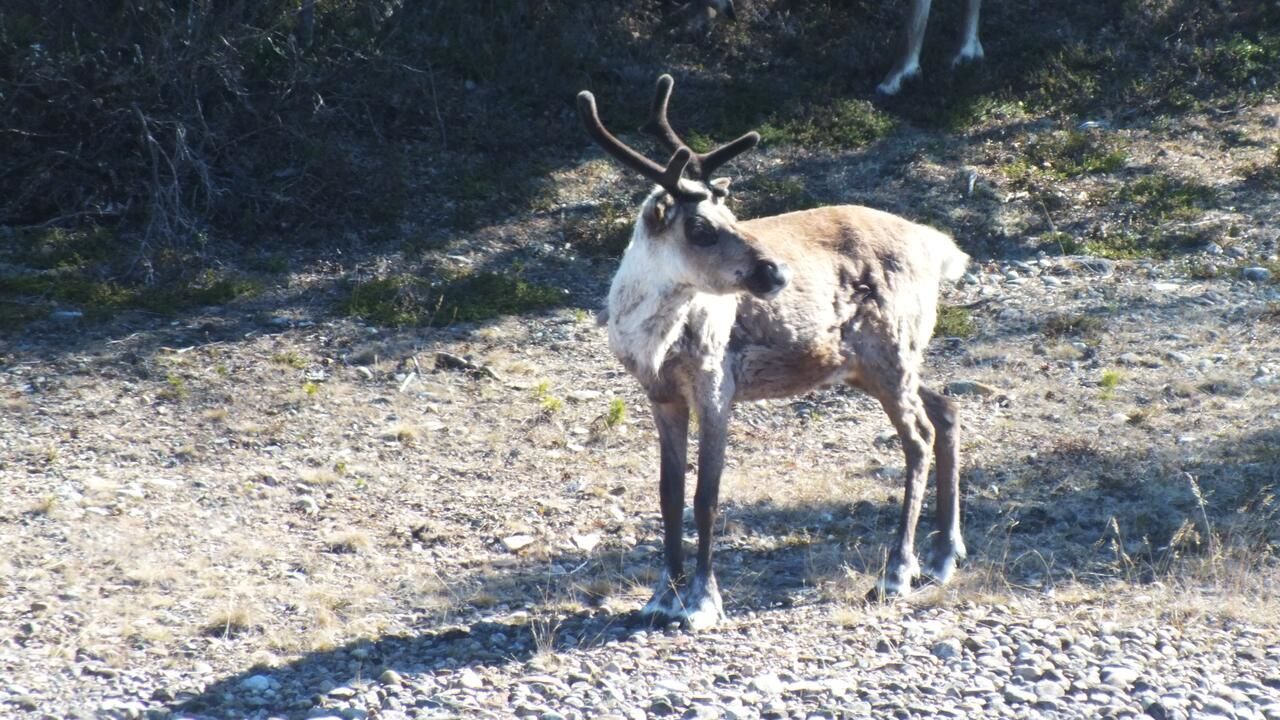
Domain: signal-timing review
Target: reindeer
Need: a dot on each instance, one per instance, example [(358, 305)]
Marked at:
[(908, 65), (706, 311)]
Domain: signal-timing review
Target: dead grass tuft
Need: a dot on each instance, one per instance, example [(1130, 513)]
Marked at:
[(235, 618), (317, 477), (349, 541)]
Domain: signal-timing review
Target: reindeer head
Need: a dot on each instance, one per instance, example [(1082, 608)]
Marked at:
[(685, 222)]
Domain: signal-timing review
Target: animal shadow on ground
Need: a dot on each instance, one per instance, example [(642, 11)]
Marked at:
[(1077, 514)]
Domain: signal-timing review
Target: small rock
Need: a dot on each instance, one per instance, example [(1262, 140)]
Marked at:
[(1049, 690), (672, 685), (390, 677), (1029, 673), (307, 505), (585, 395), (1096, 266), (364, 372), (65, 315), (470, 679), (1256, 274), (587, 542), (947, 649), (1179, 358), (1218, 707), (767, 684), (1118, 676), (256, 683), (342, 692), (516, 543), (1015, 695), (661, 707)]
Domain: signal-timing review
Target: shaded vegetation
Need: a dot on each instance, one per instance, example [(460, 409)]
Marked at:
[(410, 300), (147, 143), (1067, 154)]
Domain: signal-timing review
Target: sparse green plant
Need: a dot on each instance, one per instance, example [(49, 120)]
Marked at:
[(954, 321), (549, 403), (175, 388), (1063, 242), (552, 404), (839, 125), (1109, 381), (290, 358), (310, 388), (617, 413), (1067, 154), (1164, 198)]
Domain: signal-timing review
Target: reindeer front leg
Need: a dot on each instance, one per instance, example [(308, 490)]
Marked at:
[(702, 605), (672, 419)]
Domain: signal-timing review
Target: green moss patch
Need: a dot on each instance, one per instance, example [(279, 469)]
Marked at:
[(954, 321), (474, 297), (841, 125)]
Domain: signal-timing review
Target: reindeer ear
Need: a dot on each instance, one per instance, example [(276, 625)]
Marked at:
[(720, 189), (657, 212)]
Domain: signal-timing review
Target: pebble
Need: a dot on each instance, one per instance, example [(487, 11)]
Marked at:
[(1256, 274), (947, 649), (767, 683), (256, 683), (516, 543), (1015, 695), (1118, 676)]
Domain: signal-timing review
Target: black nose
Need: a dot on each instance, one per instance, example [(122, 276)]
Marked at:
[(768, 277)]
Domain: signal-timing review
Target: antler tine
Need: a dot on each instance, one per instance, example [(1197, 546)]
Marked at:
[(668, 177), (713, 160), (658, 126), (702, 164)]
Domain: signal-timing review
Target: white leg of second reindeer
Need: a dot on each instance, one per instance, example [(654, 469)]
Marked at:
[(970, 46), (908, 65)]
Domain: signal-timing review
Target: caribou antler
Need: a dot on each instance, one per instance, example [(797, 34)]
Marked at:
[(668, 177), (702, 164)]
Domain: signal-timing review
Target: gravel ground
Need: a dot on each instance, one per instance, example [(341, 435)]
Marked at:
[(266, 510)]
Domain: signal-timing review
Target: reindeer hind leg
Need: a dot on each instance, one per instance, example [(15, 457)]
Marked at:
[(948, 543), (900, 398)]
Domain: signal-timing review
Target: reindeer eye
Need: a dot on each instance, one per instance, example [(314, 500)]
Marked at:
[(703, 234)]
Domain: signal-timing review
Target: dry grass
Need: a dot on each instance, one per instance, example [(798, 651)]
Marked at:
[(349, 541), (317, 477)]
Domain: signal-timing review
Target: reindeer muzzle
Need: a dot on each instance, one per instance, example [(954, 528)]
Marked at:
[(767, 278)]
